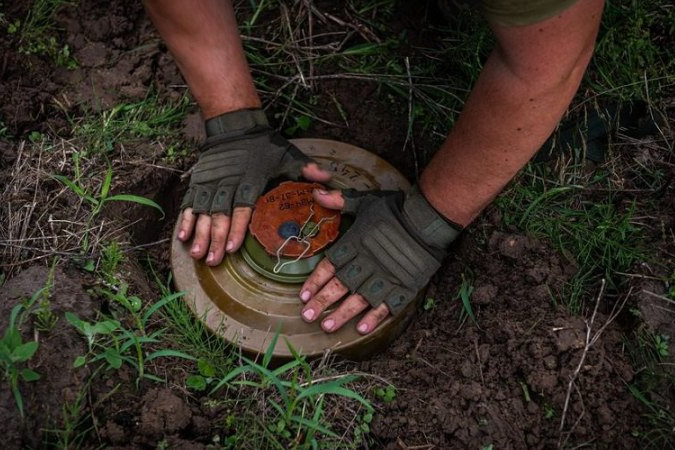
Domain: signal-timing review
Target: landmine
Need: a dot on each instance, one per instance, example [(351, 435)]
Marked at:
[(253, 294)]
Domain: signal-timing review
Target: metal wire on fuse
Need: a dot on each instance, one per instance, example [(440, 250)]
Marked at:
[(303, 237)]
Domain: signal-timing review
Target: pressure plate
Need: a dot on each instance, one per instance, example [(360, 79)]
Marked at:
[(253, 294)]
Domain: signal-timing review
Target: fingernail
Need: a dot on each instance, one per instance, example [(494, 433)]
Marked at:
[(305, 295), (230, 246), (181, 235), (322, 191), (363, 328), (195, 248), (211, 257), (308, 314), (328, 324)]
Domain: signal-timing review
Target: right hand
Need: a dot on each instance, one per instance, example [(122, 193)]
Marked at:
[(241, 154)]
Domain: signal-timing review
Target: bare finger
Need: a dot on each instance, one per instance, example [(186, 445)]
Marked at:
[(220, 226), (329, 199), (314, 172), (238, 226), (187, 224), (372, 319), (348, 309), (200, 243), (333, 291), (323, 272)]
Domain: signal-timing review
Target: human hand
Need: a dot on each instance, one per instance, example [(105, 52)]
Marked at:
[(386, 257), (240, 155)]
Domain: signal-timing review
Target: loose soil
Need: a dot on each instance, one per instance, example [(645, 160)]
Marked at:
[(502, 381)]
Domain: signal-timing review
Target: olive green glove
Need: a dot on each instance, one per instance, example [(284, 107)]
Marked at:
[(240, 155), (393, 248)]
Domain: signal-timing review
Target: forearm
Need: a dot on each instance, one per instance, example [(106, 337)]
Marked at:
[(204, 40), (504, 122), (516, 103)]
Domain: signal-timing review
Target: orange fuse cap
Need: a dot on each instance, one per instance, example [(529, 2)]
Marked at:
[(288, 223)]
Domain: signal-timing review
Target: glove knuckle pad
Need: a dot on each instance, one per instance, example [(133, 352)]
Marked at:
[(222, 200), (341, 253), (188, 199), (202, 199), (379, 259), (355, 273), (375, 290), (398, 298)]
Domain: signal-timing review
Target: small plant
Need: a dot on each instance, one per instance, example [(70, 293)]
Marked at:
[(549, 412), (386, 394), (111, 257), (301, 123), (4, 131), (296, 419), (119, 345), (111, 342), (74, 430), (44, 317), (429, 304), (15, 353), (103, 197), (205, 377), (37, 33), (661, 345), (363, 427), (670, 285), (190, 333), (464, 294)]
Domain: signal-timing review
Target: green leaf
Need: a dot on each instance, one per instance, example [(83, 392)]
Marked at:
[(19, 400), (334, 387), (150, 311), (314, 426), (75, 321), (136, 199), (169, 353), (105, 327), (24, 351), (303, 122), (89, 266), (154, 378), (362, 49), (107, 181), (29, 375), (79, 361), (270, 349), (206, 368), (77, 189), (113, 358), (230, 376), (196, 382)]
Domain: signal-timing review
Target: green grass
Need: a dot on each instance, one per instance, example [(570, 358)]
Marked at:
[(634, 56), (654, 381), (599, 237), (151, 119), (38, 32), (292, 406), (426, 85), (294, 409)]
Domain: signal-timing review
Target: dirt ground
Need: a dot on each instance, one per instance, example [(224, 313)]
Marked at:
[(504, 382)]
